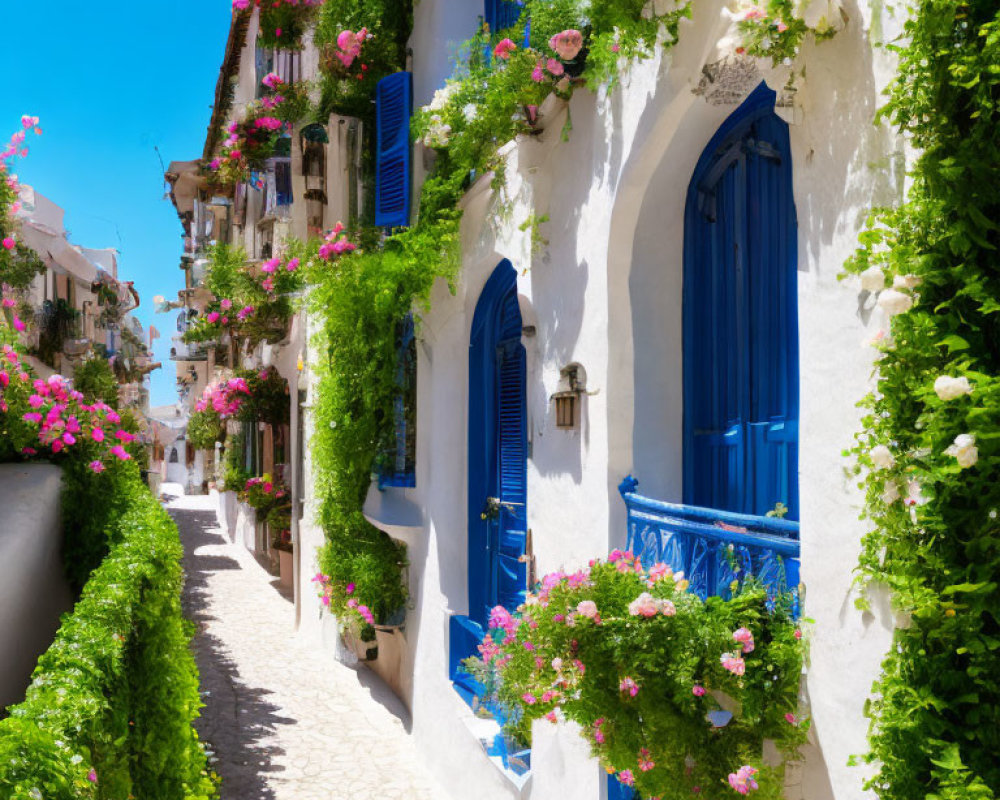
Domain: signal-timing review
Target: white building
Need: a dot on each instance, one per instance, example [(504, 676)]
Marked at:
[(686, 302)]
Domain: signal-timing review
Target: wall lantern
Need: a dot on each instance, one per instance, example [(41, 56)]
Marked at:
[(572, 386)]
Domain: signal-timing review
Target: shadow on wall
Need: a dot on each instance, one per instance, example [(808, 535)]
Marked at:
[(33, 589), (237, 719)]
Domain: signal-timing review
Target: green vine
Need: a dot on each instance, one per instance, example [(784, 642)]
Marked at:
[(930, 442)]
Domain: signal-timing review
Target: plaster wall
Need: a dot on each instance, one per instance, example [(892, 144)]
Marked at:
[(606, 292), (439, 28), (33, 590)]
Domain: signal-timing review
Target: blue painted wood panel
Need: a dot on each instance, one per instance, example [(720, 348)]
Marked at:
[(740, 318), (393, 107)]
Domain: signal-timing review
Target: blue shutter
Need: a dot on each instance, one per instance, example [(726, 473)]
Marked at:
[(619, 791), (509, 572), (740, 327), (501, 14), (399, 462), (393, 106)]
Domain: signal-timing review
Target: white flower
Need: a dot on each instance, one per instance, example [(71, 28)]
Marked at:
[(438, 133), (882, 457), (895, 302), (873, 279), (441, 97), (470, 111), (949, 388), (914, 496), (891, 493), (906, 282), (964, 450)]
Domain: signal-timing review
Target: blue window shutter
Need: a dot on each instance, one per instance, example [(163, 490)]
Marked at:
[(509, 577), (393, 107), (740, 318), (501, 14)]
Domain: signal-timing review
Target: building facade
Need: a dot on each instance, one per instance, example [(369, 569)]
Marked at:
[(648, 312)]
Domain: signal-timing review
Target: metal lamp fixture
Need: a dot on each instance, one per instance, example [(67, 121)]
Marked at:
[(572, 386)]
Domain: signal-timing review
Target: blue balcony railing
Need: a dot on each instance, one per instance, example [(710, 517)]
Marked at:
[(713, 548)]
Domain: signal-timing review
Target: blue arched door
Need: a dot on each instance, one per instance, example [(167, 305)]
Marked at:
[(497, 449), (741, 399)]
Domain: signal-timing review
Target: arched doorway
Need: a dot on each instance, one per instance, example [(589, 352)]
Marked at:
[(497, 449), (741, 394)]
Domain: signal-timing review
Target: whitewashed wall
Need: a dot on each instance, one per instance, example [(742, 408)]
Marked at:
[(606, 292)]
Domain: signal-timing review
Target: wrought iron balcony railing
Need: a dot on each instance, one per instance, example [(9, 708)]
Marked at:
[(713, 548)]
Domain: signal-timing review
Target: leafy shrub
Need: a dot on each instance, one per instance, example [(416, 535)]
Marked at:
[(109, 712), (204, 429), (96, 381), (930, 441), (639, 663)]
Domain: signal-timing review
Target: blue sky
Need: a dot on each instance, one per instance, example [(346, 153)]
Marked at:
[(111, 81)]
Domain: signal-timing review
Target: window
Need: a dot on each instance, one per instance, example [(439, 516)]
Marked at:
[(397, 464)]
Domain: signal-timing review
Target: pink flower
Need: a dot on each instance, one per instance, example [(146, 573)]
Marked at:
[(216, 163), (9, 302), (271, 266), (9, 243), (743, 779), (798, 633), (745, 637), (537, 74), (645, 762), (698, 690), (791, 719), (92, 776), (504, 48), (235, 155), (119, 452), (272, 80), (733, 663), (529, 698), (645, 605), (96, 466), (627, 684), (659, 571), (350, 588), (552, 717), (587, 608), (567, 43), (293, 265), (555, 67), (754, 13), (598, 725), (212, 317), (626, 777), (226, 304), (782, 27)]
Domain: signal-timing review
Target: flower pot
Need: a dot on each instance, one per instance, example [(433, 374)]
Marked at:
[(285, 568), (365, 651)]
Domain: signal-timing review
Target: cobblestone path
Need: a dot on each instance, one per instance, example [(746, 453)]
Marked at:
[(285, 722)]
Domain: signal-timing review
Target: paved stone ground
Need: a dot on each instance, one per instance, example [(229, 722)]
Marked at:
[(285, 721)]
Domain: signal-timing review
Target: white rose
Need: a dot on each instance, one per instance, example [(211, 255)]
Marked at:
[(949, 388), (441, 97), (894, 302), (891, 493), (906, 282), (964, 450), (873, 279), (882, 457), (470, 112)]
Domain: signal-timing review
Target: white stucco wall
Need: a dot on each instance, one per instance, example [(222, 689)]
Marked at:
[(606, 293)]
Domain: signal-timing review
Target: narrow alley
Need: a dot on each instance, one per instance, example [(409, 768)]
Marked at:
[(320, 730)]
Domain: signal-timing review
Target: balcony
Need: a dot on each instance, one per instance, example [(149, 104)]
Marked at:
[(713, 548), (182, 351)]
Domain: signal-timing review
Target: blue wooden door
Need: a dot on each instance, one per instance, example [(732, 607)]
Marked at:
[(497, 449), (740, 318)]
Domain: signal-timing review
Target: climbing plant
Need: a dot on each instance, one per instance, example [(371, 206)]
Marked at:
[(930, 444)]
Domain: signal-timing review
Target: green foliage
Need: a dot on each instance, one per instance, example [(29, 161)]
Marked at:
[(936, 716), (205, 428), (282, 25), (57, 322), (269, 401), (232, 475), (349, 92), (18, 268), (118, 689), (558, 658), (96, 381)]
